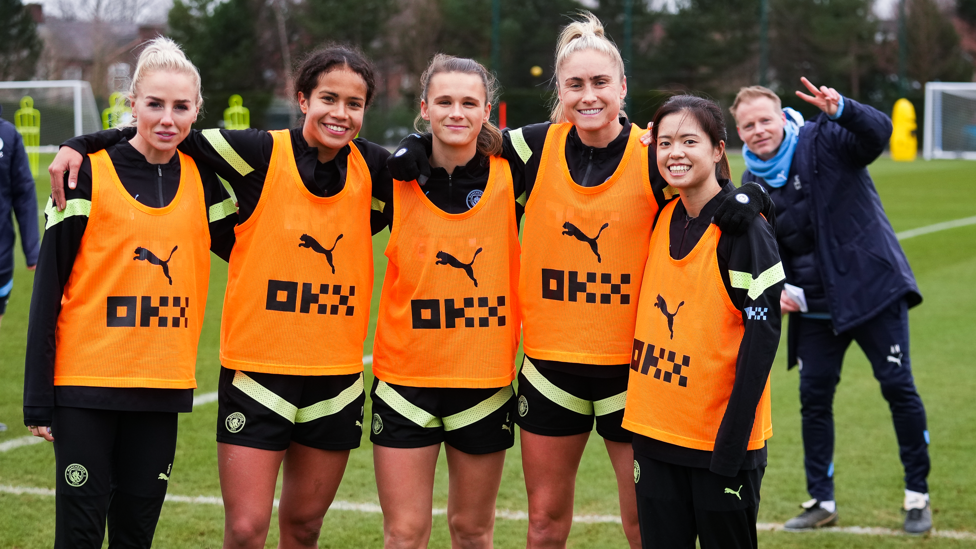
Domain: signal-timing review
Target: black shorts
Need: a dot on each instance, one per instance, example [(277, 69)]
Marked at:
[(474, 421), (269, 411), (558, 404), (677, 504)]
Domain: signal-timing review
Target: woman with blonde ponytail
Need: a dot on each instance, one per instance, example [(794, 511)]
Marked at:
[(448, 327), (591, 193), (124, 264)]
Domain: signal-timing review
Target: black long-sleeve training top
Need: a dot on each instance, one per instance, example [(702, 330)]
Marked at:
[(154, 185), (754, 252)]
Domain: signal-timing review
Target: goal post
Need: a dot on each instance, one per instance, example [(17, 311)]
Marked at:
[(950, 120), (66, 108)]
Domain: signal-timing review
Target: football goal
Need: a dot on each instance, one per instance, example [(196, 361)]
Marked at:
[(950, 120), (53, 110)]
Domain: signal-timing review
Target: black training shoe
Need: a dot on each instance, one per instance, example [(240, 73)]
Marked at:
[(918, 521), (813, 516)]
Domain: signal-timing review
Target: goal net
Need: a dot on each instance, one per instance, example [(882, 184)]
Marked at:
[(62, 109), (950, 120)]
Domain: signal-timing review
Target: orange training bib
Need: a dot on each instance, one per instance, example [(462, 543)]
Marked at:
[(449, 313), (685, 348), (301, 275), (585, 250), (133, 306)]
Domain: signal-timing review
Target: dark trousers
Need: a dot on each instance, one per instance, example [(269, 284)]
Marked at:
[(676, 504), (884, 339), (113, 465)]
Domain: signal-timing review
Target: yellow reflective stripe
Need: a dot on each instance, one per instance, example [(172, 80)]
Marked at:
[(669, 192), (761, 283), (332, 405), (265, 396), (610, 405), (223, 148), (554, 393), (222, 210), (479, 411), (77, 206), (521, 147), (378, 204), (405, 408)]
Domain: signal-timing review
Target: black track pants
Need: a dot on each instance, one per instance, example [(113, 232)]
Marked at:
[(113, 465), (677, 504)]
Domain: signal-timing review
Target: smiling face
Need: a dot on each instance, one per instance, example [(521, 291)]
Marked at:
[(685, 154), (591, 92), (333, 111), (761, 126), (164, 108), (456, 108)]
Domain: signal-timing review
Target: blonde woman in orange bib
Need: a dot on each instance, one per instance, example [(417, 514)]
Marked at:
[(117, 309)]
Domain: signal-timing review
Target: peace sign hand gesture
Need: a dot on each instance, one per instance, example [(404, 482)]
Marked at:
[(825, 99)]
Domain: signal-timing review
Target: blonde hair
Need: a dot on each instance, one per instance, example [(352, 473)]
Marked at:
[(162, 54), (755, 92), (582, 35), (490, 137)]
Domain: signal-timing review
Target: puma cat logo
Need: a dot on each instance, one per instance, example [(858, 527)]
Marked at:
[(663, 305), (163, 476), (573, 230), (312, 244), (444, 258), (142, 254), (506, 427), (734, 492)]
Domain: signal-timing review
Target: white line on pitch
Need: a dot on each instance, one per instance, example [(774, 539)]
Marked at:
[(936, 228), (18, 442), (207, 398), (506, 514)]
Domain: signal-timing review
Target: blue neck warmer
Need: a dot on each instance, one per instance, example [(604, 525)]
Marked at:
[(775, 170)]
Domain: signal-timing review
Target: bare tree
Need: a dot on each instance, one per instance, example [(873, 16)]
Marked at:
[(115, 11)]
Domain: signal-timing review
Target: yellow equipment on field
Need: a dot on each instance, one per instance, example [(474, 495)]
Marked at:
[(904, 142), (117, 111), (236, 117), (27, 119)]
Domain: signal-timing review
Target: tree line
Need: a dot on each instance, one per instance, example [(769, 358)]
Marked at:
[(709, 47)]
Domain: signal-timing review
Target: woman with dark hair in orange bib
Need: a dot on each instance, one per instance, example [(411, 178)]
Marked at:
[(590, 192), (298, 299), (448, 328), (117, 309), (708, 324)]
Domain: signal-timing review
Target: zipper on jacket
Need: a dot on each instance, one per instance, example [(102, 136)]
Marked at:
[(450, 190), (589, 167), (159, 184), (684, 233)]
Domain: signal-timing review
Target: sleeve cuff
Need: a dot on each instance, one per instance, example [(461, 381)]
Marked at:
[(38, 415), (840, 109)]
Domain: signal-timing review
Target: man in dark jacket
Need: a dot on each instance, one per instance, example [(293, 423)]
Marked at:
[(17, 194), (848, 278)]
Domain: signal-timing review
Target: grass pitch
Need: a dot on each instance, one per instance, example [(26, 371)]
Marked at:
[(868, 473)]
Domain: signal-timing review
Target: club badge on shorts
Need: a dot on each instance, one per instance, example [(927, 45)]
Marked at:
[(235, 422)]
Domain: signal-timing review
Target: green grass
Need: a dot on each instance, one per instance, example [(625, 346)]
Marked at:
[(869, 485)]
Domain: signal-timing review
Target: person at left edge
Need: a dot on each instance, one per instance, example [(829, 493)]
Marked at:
[(297, 302), (117, 309), (707, 330), (17, 195)]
